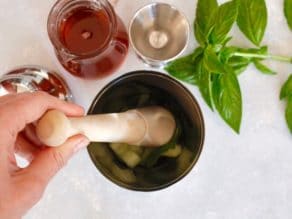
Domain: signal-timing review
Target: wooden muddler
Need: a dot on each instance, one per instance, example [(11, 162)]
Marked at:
[(149, 126)]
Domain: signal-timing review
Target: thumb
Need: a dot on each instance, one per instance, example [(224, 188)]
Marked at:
[(49, 161)]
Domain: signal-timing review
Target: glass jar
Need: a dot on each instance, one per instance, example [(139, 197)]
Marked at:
[(90, 40), (31, 78)]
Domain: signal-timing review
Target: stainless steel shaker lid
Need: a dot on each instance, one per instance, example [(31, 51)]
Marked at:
[(34, 78)]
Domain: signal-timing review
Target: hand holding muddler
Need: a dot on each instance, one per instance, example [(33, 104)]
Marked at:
[(149, 126)]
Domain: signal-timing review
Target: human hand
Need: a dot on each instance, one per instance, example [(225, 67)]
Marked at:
[(21, 188)]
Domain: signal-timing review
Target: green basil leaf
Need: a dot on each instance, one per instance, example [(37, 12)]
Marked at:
[(184, 69), (239, 69), (260, 51), (226, 53), (205, 85), (225, 17), (199, 34), (238, 61), (205, 8), (227, 39), (288, 113), (238, 64), (252, 19), (263, 68), (211, 61), (227, 99), (198, 51), (288, 12), (286, 90)]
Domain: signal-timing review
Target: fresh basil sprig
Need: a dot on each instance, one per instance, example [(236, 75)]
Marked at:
[(216, 82), (214, 66), (288, 12)]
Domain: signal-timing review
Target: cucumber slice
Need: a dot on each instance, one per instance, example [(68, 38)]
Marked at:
[(173, 152), (119, 148), (137, 149), (184, 160), (126, 175), (127, 153), (131, 159)]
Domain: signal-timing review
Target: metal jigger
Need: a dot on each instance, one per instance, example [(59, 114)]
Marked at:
[(34, 78), (159, 33)]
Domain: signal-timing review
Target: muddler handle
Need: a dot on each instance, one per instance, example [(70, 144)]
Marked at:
[(149, 126)]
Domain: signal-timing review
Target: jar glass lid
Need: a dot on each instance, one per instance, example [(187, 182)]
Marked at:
[(34, 78)]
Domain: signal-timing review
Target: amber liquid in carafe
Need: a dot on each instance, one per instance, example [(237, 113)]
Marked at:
[(89, 33)]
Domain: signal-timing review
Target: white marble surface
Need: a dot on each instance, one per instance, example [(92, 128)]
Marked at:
[(245, 176)]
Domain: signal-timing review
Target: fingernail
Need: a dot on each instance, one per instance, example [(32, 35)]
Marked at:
[(82, 144)]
